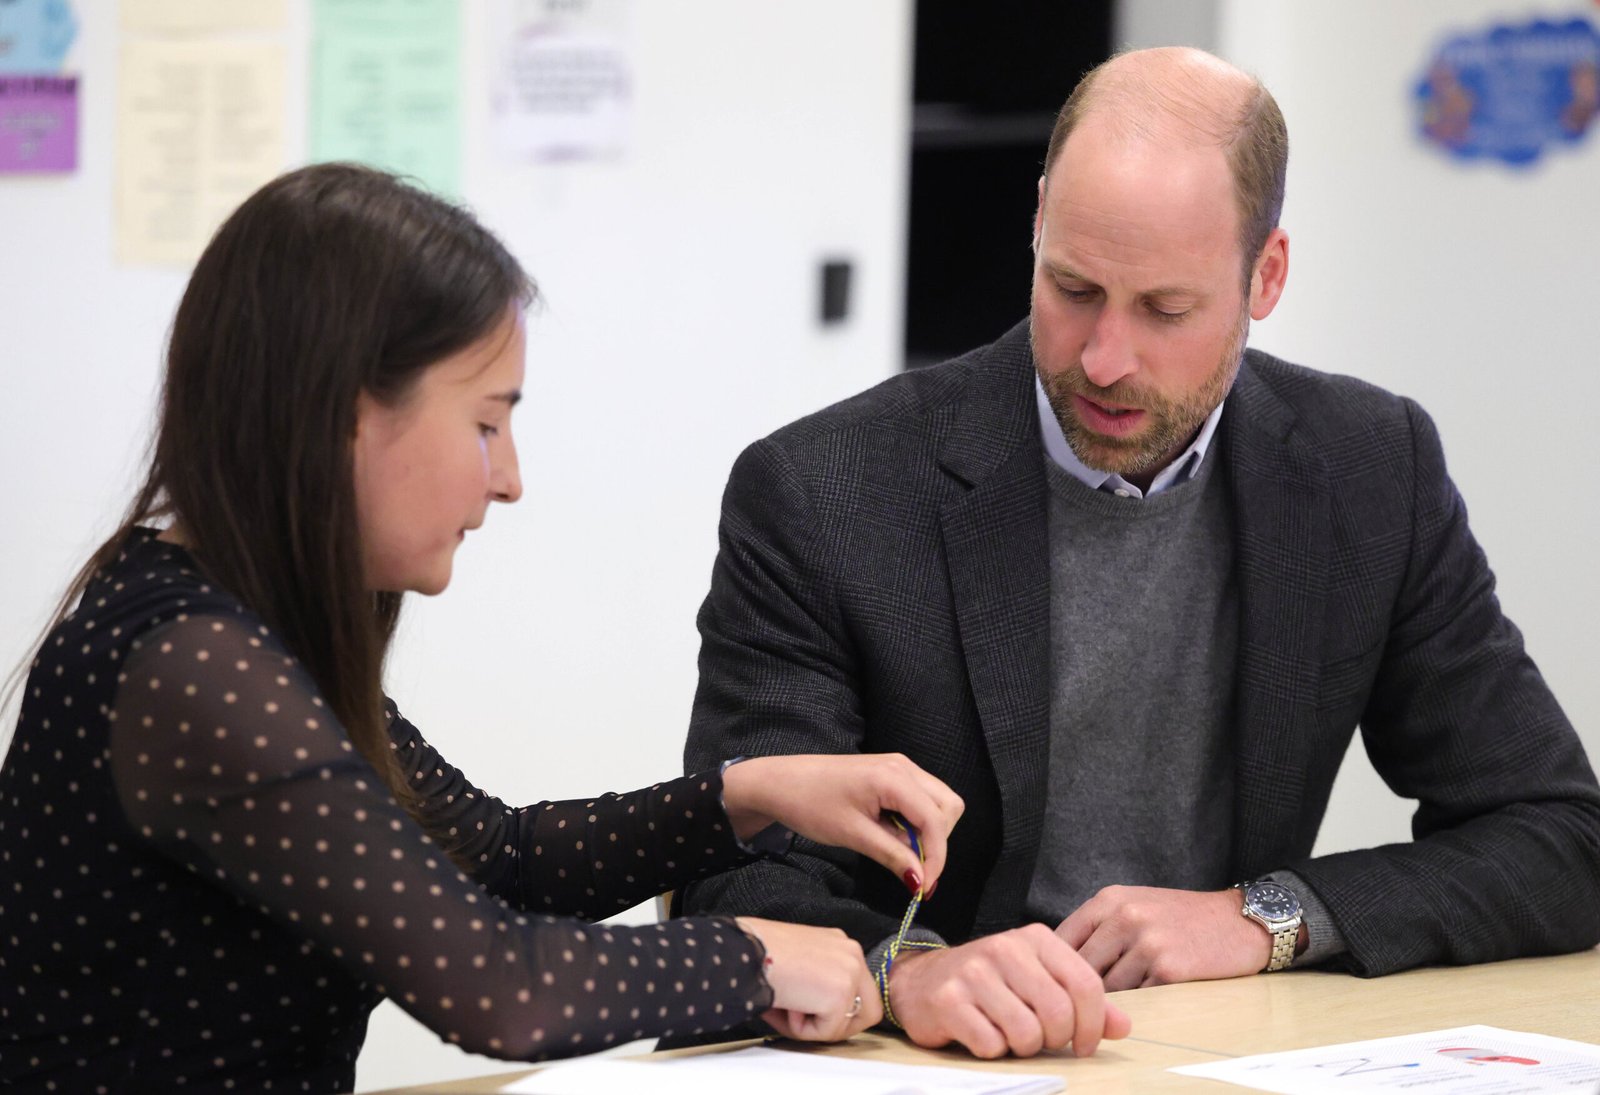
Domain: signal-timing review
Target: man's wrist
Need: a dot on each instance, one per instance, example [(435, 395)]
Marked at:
[(1275, 907), (889, 958), (1320, 938)]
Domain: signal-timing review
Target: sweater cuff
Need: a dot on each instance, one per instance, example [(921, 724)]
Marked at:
[(915, 939), (1323, 939), (877, 955)]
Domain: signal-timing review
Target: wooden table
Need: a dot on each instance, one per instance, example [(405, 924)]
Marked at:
[(1210, 1020)]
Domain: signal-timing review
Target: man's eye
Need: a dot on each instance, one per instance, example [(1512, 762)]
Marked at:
[(1166, 316), (1077, 296)]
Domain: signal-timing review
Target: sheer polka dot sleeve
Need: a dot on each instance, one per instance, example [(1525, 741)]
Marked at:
[(587, 858), (225, 758)]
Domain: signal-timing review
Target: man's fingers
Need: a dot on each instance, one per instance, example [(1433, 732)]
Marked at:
[(1078, 927), (1129, 971), (1102, 948), (973, 1029), (1017, 1020), (1051, 1005), (1081, 982), (1029, 989), (1118, 1024)]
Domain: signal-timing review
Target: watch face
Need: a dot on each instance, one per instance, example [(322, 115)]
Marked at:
[(1272, 901)]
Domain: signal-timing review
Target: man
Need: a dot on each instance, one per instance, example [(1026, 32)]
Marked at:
[(1129, 589)]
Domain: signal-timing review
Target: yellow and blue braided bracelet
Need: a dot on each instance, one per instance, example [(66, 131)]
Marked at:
[(900, 942)]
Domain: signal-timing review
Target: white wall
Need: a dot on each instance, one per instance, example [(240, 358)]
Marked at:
[(681, 290), (1139, 24), (1472, 288)]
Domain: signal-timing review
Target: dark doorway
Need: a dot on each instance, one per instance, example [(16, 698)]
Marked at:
[(989, 78)]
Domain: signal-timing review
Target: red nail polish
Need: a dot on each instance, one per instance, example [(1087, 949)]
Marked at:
[(912, 880)]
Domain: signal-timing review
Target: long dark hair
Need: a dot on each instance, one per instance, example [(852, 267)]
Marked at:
[(329, 281)]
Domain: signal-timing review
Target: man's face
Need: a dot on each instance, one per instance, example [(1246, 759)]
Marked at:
[(1139, 311)]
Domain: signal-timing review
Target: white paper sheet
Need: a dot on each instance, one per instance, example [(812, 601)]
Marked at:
[(1463, 1061), (774, 1072)]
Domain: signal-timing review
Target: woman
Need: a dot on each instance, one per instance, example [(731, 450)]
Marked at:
[(221, 846)]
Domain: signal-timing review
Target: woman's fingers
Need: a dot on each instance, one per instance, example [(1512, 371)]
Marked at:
[(842, 801), (821, 989), (885, 844), (927, 804)]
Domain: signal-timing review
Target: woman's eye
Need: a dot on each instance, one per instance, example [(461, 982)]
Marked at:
[(487, 430)]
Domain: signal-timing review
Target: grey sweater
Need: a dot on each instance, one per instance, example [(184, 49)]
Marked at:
[(1143, 631)]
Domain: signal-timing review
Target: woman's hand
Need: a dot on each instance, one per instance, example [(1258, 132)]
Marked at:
[(821, 990), (843, 801)]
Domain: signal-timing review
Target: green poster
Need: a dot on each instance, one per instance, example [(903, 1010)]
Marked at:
[(386, 89)]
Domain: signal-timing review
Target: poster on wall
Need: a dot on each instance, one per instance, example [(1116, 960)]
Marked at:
[(35, 36), (199, 128), (200, 122), (188, 17), (1510, 92), (38, 124), (38, 101), (385, 87), (561, 87)]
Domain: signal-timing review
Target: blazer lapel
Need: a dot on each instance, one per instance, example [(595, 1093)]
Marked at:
[(1281, 529), (996, 541)]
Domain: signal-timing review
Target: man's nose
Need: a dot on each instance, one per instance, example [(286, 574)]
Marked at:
[(1109, 355)]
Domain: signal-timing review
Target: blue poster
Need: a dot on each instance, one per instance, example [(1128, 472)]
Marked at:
[(35, 35), (1510, 92)]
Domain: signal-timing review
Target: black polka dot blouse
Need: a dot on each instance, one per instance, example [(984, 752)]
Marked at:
[(204, 887)]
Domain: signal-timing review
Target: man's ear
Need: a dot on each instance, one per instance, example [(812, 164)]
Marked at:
[(1269, 275), (1038, 216)]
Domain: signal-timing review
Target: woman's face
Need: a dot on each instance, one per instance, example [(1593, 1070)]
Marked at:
[(427, 467)]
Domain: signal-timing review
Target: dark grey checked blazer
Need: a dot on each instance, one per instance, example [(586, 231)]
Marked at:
[(883, 585)]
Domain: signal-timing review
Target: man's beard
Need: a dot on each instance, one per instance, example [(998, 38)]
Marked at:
[(1170, 424)]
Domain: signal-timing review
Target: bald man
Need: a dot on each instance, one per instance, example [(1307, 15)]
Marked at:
[(1130, 588)]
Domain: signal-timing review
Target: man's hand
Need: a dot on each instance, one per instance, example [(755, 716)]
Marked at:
[(1022, 990), (1138, 935)]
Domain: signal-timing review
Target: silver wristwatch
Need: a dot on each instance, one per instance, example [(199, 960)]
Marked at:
[(1275, 907)]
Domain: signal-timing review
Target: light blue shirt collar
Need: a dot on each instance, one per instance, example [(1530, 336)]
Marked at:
[(1180, 470)]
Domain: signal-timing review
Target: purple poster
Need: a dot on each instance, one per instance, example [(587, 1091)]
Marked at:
[(38, 123)]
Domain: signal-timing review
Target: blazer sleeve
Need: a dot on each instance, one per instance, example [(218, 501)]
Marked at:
[(1505, 859), (777, 675)]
